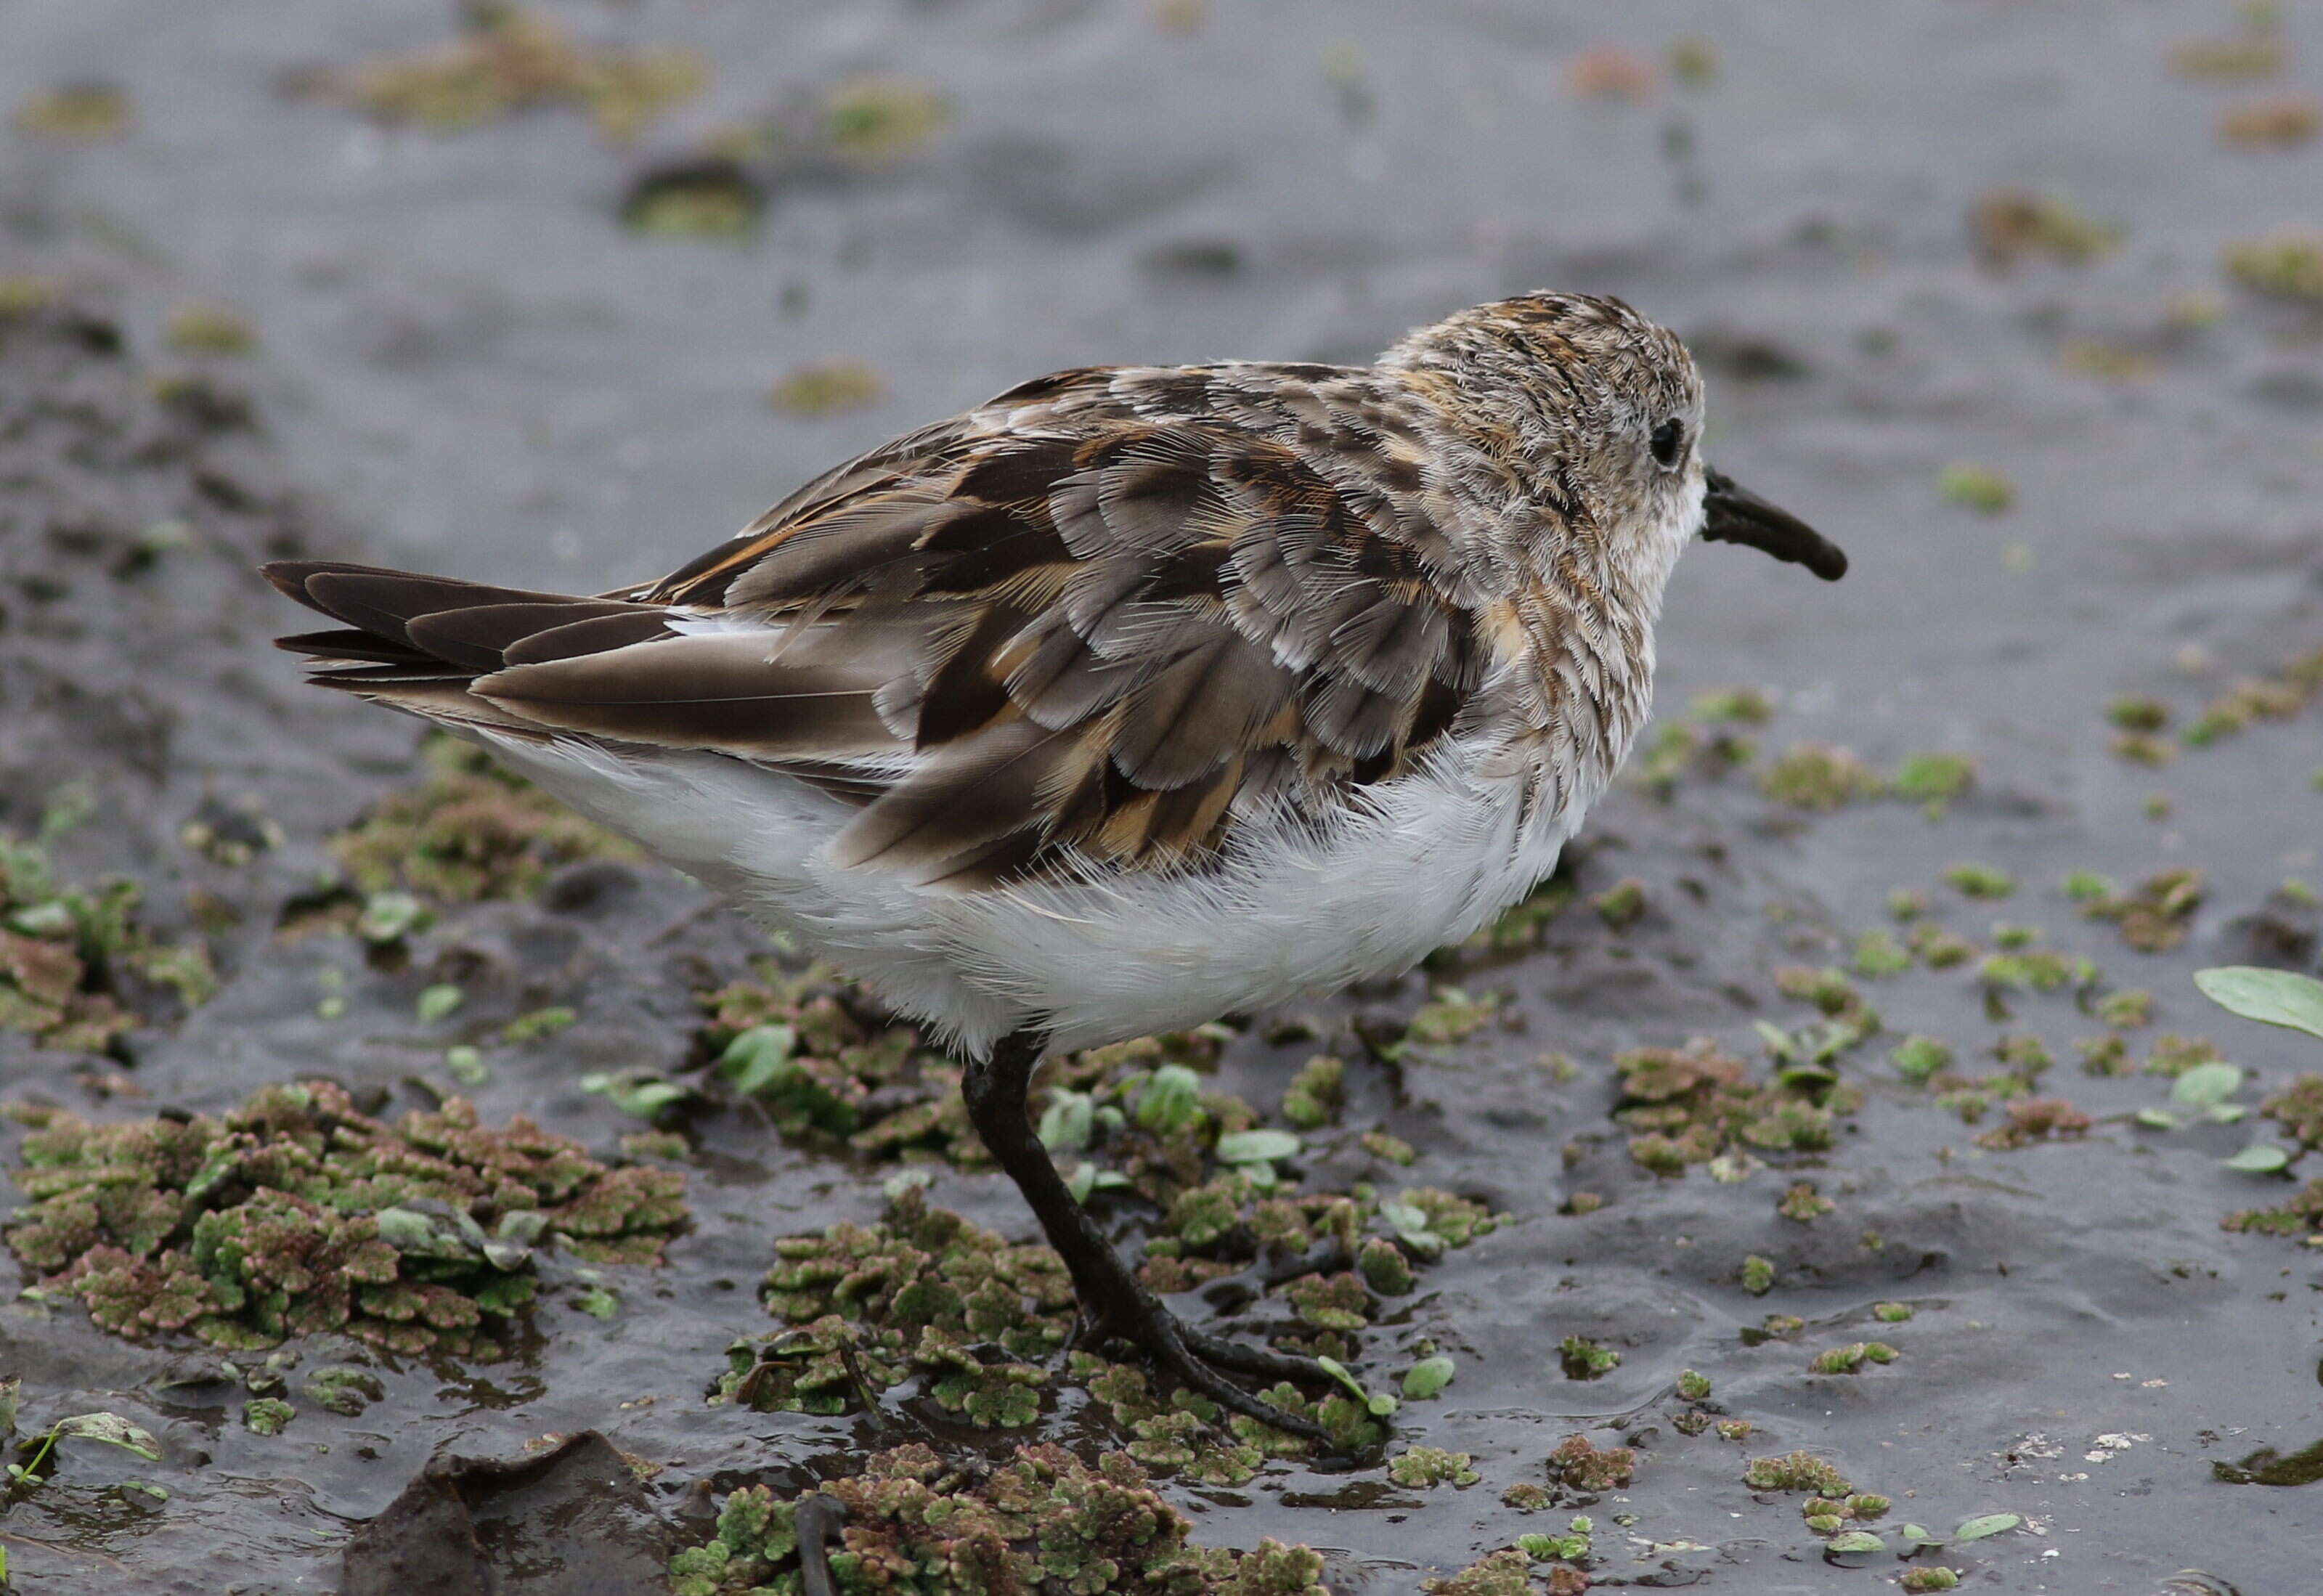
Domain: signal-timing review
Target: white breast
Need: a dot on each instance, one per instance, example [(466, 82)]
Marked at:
[(1290, 908)]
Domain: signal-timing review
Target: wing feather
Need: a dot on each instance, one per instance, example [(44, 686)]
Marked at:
[(1093, 626)]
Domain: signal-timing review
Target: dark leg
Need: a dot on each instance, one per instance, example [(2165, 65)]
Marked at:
[(1115, 1303)]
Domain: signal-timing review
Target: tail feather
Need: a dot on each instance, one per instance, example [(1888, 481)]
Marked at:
[(539, 664)]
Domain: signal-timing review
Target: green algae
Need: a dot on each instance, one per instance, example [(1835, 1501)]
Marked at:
[(1578, 1466), (1933, 780), (1796, 1471), (831, 389), (1689, 746), (2154, 916), (2266, 1466), (829, 1069), (1814, 777), (1425, 1467), (871, 1307), (1802, 1202), (1505, 1573), (469, 832), (1979, 881), (511, 60), (1878, 954), (2034, 1119), (1976, 486), (1316, 1094), (79, 966), (2299, 1109), (266, 1416), (2299, 1215), (1583, 1358), (2172, 1055), (2008, 224), (1848, 1359), (921, 1525), (296, 1214), (1920, 1058), (1449, 1016), (76, 112), (206, 329), (1692, 1105), (1941, 950), (1622, 904), (2283, 265)]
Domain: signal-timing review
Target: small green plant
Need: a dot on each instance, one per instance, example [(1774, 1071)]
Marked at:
[(1578, 1464), (2269, 997), (1584, 1359), (1977, 487), (1428, 1377), (1042, 1521), (110, 1429), (1422, 1467), (1570, 1547), (296, 1214), (2200, 1095)]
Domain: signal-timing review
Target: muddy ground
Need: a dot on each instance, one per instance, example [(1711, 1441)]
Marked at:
[(464, 361)]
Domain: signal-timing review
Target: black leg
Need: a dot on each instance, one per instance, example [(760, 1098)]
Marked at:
[(1115, 1303)]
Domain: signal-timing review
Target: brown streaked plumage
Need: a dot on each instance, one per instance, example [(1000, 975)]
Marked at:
[(1131, 697)]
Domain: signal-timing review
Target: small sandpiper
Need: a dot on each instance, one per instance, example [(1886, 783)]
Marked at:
[(1136, 696)]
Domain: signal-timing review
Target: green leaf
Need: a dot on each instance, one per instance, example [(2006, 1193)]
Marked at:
[(1170, 1099), (2156, 1119), (2207, 1086), (643, 1096), (113, 1430), (1975, 1529), (1855, 1541), (389, 916), (437, 1001), (1918, 1536), (1339, 1372), (1428, 1376), (2272, 998), (2260, 1157), (1257, 1147), (1068, 1120), (756, 1059)]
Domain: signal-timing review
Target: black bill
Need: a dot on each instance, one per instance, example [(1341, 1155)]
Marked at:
[(1737, 514)]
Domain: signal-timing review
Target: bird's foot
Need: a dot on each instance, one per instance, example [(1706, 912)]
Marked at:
[(1201, 1362)]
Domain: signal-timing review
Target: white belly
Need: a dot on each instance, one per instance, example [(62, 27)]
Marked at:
[(1423, 861)]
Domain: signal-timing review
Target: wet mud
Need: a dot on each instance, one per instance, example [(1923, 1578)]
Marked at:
[(1996, 295)]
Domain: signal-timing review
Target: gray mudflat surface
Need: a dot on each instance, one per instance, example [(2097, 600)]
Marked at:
[(467, 365)]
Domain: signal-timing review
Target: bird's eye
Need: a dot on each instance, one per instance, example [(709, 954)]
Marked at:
[(1668, 441)]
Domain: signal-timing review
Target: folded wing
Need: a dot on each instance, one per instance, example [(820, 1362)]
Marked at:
[(1095, 643)]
